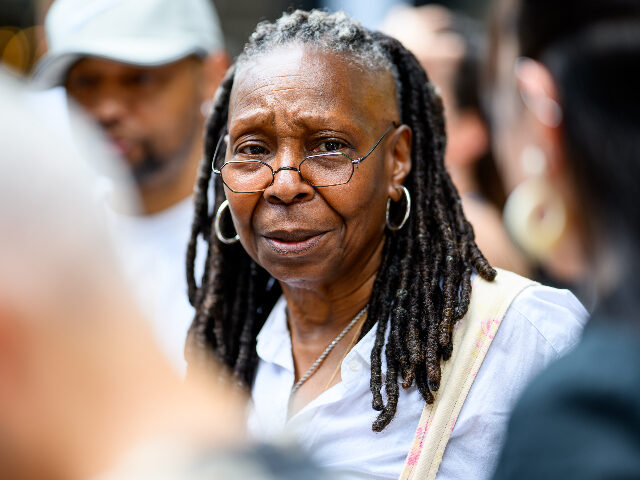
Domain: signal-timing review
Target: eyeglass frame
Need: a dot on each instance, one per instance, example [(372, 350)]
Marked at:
[(354, 163)]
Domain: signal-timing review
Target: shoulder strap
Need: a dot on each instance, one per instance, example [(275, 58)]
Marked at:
[(471, 339)]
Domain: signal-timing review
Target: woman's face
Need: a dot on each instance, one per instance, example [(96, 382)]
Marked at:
[(296, 101)]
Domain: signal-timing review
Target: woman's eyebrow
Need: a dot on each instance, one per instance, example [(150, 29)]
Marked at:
[(252, 115), (332, 121), (256, 119)]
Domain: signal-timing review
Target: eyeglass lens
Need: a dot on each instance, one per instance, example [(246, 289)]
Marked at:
[(317, 170)]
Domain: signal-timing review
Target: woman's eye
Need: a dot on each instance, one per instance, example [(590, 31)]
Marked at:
[(331, 146), (253, 150)]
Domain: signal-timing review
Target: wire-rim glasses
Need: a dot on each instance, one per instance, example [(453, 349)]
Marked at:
[(322, 170)]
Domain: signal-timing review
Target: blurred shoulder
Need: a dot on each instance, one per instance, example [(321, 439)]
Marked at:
[(580, 418), (605, 362), (555, 315), (179, 461)]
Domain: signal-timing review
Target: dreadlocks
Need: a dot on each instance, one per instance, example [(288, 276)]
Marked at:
[(423, 285)]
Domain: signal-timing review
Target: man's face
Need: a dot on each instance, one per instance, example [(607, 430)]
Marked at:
[(151, 114)]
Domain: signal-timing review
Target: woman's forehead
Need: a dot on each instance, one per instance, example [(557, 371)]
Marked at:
[(299, 79)]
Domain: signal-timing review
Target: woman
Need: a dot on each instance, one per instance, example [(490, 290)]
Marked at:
[(578, 76), (335, 290)]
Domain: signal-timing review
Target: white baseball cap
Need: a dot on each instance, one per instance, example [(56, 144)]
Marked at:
[(136, 32)]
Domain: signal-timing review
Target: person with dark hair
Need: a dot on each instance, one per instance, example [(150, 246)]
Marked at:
[(342, 284), (451, 47), (575, 98)]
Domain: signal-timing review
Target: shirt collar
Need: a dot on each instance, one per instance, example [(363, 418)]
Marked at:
[(273, 343), (274, 340)]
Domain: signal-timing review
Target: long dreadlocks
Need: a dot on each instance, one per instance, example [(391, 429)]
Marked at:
[(423, 285)]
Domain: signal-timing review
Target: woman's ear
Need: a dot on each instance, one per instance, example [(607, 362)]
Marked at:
[(540, 96), (399, 154), (538, 91)]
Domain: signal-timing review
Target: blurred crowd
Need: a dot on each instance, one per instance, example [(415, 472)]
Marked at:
[(113, 115)]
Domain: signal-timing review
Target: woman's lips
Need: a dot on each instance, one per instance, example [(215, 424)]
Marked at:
[(293, 243)]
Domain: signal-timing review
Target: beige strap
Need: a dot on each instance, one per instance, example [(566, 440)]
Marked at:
[(471, 339)]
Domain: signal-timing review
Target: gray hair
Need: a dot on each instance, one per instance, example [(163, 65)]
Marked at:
[(332, 32)]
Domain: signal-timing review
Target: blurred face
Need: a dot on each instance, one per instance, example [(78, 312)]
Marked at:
[(545, 214), (151, 114), (298, 101)]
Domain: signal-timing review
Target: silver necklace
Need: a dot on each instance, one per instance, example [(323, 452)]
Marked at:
[(327, 351)]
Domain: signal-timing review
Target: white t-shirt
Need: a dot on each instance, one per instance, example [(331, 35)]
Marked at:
[(155, 261), (153, 247), (335, 428), (51, 106)]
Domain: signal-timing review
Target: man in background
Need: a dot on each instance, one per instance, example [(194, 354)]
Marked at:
[(145, 70)]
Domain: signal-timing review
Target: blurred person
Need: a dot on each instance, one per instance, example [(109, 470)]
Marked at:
[(451, 47), (566, 79), (84, 390), (344, 287), (145, 71), (542, 231)]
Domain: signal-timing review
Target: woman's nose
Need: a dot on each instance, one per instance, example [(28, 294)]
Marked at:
[(288, 185)]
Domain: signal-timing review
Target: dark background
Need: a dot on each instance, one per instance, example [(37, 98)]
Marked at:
[(21, 37)]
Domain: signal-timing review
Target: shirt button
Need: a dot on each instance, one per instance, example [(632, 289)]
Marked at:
[(354, 366)]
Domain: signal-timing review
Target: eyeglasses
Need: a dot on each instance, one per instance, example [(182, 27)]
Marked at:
[(318, 170)]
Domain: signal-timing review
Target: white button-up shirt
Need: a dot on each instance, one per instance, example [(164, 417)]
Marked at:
[(335, 428)]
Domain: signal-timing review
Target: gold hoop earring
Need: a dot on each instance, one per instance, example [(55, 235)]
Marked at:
[(395, 228), (216, 225), (536, 217)]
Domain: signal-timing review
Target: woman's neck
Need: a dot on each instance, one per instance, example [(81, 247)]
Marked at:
[(318, 313)]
